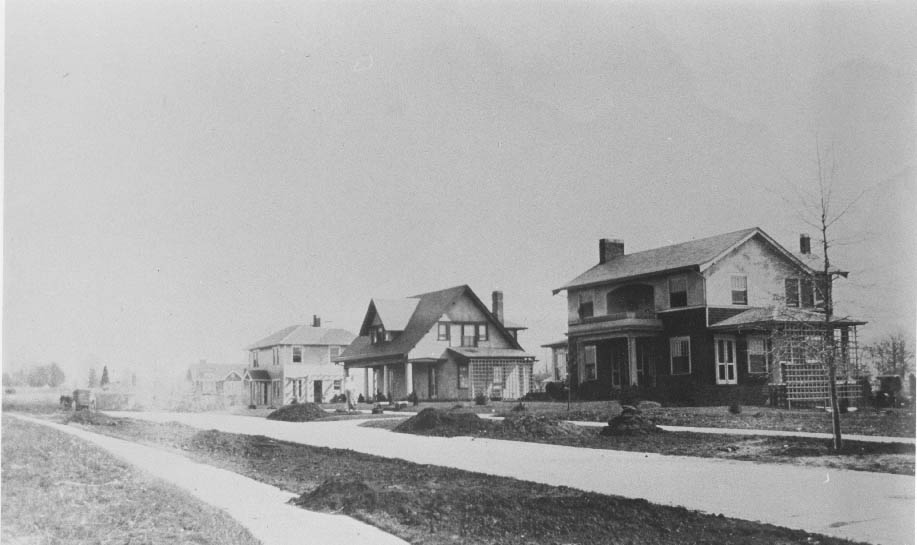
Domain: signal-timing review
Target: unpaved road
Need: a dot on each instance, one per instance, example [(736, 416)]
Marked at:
[(261, 508), (871, 507)]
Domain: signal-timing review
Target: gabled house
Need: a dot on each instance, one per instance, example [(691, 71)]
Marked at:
[(295, 363), (705, 321), (221, 382), (440, 345)]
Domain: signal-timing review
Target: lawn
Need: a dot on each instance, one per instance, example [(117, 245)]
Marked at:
[(58, 489), (431, 505)]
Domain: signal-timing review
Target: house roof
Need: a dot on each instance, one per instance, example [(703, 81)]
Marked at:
[(305, 335), (490, 353), (213, 371), (556, 344), (393, 313), (762, 316), (695, 254), (429, 307)]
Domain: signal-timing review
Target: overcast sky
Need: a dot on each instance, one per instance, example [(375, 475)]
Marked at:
[(184, 178)]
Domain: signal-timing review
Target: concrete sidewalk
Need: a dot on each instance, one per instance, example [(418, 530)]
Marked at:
[(870, 507), (260, 508)]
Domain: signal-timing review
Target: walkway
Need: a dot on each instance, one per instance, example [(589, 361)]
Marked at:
[(871, 507), (260, 508)]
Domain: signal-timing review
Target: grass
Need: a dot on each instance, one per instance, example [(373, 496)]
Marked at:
[(59, 489), (430, 505)]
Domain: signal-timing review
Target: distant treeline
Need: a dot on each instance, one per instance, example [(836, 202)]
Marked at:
[(36, 376)]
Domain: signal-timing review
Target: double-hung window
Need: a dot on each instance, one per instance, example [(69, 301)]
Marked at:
[(468, 335), (275, 352), (297, 354), (463, 376), (806, 293), (725, 360), (680, 355), (678, 291), (791, 287), (739, 284), (757, 355), (254, 358), (442, 331), (482, 332), (585, 306), (589, 371)]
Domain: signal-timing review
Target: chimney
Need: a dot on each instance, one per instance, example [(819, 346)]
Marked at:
[(497, 307), (316, 320), (610, 248), (805, 244)]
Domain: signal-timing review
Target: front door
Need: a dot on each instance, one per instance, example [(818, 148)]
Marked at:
[(432, 388), (725, 348), (317, 391)]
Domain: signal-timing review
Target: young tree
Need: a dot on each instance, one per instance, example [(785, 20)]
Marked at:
[(93, 378), (105, 380), (891, 355), (56, 375)]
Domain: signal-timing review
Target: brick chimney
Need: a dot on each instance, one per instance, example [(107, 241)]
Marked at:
[(497, 307), (805, 244), (316, 320), (610, 248)]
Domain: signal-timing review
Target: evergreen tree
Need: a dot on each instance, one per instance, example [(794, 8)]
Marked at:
[(104, 376)]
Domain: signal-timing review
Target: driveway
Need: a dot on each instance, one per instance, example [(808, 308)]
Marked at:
[(870, 507), (260, 508)]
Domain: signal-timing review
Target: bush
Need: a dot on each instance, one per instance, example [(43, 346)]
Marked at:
[(361, 399), (556, 390), (480, 398), (252, 406), (519, 408), (340, 398), (735, 407), (537, 396)]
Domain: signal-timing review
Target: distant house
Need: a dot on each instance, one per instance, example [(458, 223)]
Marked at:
[(440, 345), (705, 321), (216, 381), (295, 363), (558, 365)]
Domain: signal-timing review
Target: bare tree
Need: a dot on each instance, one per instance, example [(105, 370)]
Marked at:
[(821, 211), (891, 355)]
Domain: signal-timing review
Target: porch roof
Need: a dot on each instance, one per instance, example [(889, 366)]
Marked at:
[(258, 374), (482, 352), (772, 316)]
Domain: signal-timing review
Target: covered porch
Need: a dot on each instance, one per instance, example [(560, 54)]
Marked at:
[(615, 362)]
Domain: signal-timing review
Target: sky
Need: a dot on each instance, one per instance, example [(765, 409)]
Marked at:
[(182, 179)]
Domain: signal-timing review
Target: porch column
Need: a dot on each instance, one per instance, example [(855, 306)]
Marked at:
[(366, 383), (385, 380), (632, 360), (409, 378)]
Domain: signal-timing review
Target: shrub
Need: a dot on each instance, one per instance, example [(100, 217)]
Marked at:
[(339, 398), (519, 408), (556, 390), (361, 399), (252, 406), (480, 398), (735, 407)]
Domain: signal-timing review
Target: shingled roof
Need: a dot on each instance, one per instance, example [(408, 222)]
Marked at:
[(306, 335), (428, 309), (767, 316), (694, 254)]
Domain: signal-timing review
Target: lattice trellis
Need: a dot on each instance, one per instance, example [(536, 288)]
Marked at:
[(499, 378)]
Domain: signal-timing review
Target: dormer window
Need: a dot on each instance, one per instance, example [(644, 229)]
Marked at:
[(377, 334), (678, 291)]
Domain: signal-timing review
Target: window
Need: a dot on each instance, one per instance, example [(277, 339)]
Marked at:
[(589, 362), (482, 332), (807, 293), (585, 306), (463, 376), (725, 360), (337, 384), (377, 334), (757, 355), (678, 291), (254, 358), (498, 375), (335, 351), (275, 352), (792, 292), (468, 335), (297, 354), (739, 289), (442, 331), (680, 351)]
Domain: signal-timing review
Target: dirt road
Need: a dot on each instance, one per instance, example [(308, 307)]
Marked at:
[(872, 507)]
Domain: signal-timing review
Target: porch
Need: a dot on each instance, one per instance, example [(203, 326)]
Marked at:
[(611, 364)]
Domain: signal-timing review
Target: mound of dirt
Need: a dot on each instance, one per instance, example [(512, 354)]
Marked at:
[(301, 412), (443, 423), (93, 418), (630, 422), (541, 426)]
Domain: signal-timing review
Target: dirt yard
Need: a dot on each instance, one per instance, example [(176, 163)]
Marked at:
[(58, 489), (430, 505)]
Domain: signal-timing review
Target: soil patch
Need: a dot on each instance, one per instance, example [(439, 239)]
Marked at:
[(92, 418), (630, 422), (444, 423), (301, 412)]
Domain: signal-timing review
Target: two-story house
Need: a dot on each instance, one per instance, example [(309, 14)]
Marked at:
[(703, 321), (216, 381), (440, 345), (295, 363)]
